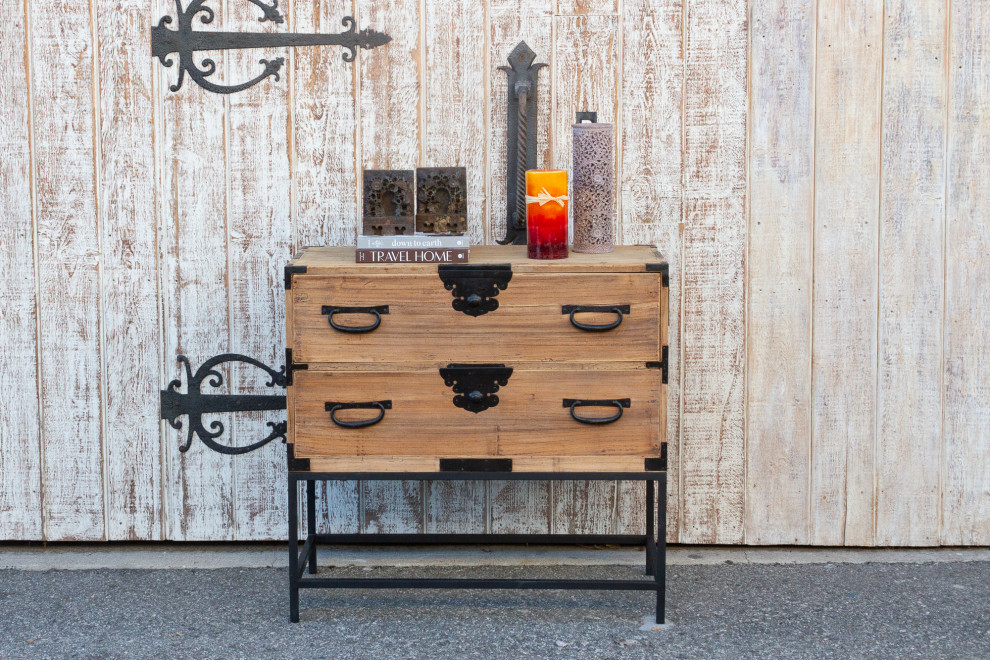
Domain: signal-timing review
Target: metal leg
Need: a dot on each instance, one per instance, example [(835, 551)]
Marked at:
[(651, 549), (660, 565), (311, 521), (655, 537), (293, 550)]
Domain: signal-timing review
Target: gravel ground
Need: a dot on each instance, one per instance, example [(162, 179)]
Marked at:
[(722, 611)]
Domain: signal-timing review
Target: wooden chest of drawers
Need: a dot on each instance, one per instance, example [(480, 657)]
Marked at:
[(504, 364)]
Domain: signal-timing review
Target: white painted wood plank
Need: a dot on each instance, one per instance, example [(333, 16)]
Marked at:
[(912, 217), (392, 507), (516, 506), (324, 176), (512, 21), (199, 489), (130, 284), (520, 507), (586, 77), (390, 86), (454, 95), (455, 507), (781, 221), (454, 91), (390, 125), (847, 200), (651, 192), (260, 244), (68, 264), (20, 450), (584, 507), (324, 180), (712, 449), (585, 7), (966, 459)]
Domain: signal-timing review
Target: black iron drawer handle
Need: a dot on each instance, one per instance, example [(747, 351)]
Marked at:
[(618, 310), (333, 406), (581, 403), (330, 310)]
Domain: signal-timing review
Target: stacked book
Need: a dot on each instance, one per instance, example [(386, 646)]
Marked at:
[(412, 249)]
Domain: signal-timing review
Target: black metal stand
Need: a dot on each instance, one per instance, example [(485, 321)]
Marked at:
[(654, 539)]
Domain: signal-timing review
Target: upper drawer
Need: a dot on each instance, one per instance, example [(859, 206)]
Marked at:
[(533, 320)]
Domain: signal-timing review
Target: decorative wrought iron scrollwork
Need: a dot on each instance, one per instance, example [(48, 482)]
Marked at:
[(194, 404), (185, 41)]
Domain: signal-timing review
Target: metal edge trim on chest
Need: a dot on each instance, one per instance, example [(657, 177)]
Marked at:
[(663, 268), (291, 270), (662, 364), (291, 366)]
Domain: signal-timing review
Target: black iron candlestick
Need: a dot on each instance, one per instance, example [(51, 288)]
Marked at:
[(523, 75)]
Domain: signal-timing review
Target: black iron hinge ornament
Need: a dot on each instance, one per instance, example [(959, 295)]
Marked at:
[(475, 385), (194, 404), (474, 287), (185, 41), (523, 76)]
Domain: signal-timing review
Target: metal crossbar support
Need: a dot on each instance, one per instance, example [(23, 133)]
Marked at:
[(654, 539)]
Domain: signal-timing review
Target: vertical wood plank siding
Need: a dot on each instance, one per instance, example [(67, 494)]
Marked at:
[(814, 171), (844, 316), (195, 290), (130, 321), (585, 77), (391, 123), (69, 302), (912, 223), (966, 429), (651, 192), (516, 506), (778, 322), (325, 179), (20, 449), (712, 444), (259, 244), (454, 95)]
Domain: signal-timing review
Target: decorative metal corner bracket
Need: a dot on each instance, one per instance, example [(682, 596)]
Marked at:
[(475, 385), (523, 76), (474, 287), (185, 41), (194, 404)]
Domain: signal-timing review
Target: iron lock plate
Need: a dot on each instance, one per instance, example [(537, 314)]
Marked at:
[(475, 287), (475, 385)]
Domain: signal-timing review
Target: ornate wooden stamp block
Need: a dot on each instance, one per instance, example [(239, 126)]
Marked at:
[(441, 200), (388, 203)]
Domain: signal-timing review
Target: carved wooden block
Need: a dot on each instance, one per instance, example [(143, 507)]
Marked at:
[(388, 203), (441, 200)]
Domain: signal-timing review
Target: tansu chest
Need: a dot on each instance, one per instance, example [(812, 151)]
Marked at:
[(514, 364)]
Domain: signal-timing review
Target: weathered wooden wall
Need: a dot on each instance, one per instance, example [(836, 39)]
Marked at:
[(816, 171)]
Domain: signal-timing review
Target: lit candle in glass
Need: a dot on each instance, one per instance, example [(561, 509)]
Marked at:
[(546, 213)]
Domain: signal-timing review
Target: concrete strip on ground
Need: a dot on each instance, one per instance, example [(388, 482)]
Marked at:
[(263, 555)]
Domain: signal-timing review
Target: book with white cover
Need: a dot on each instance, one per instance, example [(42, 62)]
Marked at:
[(412, 242)]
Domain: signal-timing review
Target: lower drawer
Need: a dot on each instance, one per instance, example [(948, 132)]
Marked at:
[(538, 413)]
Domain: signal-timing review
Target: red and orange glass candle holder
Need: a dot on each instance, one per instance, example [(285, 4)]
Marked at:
[(546, 214)]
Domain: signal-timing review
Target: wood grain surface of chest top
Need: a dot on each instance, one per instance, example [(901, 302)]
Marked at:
[(548, 366)]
